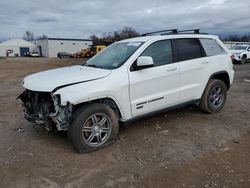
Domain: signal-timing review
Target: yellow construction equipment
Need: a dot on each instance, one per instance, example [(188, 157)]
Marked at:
[(92, 50)]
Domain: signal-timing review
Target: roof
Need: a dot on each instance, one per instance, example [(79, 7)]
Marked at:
[(68, 39), (17, 42), (172, 36)]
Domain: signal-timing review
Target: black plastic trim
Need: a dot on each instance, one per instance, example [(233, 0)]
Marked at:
[(148, 115), (220, 72)]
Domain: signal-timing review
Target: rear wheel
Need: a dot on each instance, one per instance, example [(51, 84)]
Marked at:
[(94, 126), (214, 96)]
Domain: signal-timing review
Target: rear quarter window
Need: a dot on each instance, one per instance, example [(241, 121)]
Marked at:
[(212, 47)]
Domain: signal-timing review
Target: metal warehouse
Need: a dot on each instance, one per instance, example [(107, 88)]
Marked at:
[(49, 47), (16, 47)]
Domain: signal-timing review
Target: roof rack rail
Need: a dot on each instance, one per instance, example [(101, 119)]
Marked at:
[(169, 31), (195, 31), (174, 31)]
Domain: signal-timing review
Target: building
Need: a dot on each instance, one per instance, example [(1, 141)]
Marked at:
[(49, 47), (16, 47)]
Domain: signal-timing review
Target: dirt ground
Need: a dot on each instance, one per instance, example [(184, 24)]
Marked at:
[(181, 148)]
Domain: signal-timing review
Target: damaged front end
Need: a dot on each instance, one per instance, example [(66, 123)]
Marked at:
[(43, 108)]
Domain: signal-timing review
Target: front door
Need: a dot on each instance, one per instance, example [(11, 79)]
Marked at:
[(156, 87)]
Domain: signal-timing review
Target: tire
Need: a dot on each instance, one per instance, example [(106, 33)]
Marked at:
[(243, 60), (214, 97), (94, 127)]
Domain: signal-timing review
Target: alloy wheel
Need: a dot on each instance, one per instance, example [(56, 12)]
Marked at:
[(96, 130), (216, 97)]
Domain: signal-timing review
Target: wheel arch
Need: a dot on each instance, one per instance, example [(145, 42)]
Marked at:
[(109, 101), (223, 76)]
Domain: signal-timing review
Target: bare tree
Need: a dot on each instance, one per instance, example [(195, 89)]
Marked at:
[(29, 36), (43, 36), (238, 38), (128, 32), (95, 39), (108, 38)]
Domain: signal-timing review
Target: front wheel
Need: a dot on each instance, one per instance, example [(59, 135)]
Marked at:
[(214, 96), (94, 126)]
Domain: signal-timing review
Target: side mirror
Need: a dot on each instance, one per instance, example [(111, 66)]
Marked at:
[(144, 62)]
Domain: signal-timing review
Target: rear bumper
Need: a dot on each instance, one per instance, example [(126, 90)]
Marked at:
[(237, 57)]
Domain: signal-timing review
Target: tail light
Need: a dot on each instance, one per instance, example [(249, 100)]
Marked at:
[(232, 57)]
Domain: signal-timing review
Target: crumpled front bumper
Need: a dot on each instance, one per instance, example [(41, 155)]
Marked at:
[(44, 109)]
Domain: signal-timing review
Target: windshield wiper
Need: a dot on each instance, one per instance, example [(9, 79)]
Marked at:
[(91, 66), (95, 66)]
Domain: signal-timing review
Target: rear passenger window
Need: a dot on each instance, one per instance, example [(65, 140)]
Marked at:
[(188, 49), (212, 47), (160, 51)]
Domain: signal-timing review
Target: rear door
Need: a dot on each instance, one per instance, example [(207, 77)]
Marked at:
[(193, 67), (155, 87)]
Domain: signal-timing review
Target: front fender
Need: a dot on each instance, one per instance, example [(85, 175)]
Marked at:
[(98, 89)]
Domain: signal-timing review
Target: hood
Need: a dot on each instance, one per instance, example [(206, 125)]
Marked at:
[(47, 81), (236, 51)]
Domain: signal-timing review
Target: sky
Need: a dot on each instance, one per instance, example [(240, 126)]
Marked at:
[(83, 18)]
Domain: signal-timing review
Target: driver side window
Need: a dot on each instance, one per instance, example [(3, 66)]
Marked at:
[(161, 52)]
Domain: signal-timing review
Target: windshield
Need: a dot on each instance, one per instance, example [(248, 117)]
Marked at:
[(114, 56), (239, 47)]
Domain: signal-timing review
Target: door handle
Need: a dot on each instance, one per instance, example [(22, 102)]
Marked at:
[(172, 69)]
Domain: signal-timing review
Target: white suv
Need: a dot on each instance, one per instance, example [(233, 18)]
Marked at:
[(128, 80), (241, 53)]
